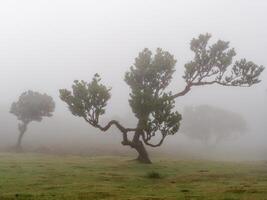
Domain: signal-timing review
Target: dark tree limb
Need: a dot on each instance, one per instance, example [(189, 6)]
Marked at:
[(146, 140), (109, 124), (190, 85), (183, 92)]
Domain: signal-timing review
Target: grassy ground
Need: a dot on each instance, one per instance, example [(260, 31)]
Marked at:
[(36, 176)]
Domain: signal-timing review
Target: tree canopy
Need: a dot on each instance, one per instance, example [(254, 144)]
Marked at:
[(33, 106), (213, 64), (151, 102)]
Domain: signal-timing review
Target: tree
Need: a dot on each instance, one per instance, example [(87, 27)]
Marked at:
[(207, 123), (151, 102), (31, 106)]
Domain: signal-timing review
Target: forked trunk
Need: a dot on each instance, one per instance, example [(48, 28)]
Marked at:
[(137, 144), (142, 153)]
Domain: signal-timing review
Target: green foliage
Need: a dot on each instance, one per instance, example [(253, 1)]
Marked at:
[(163, 119), (32, 106), (87, 100), (247, 71), (151, 104), (213, 65), (147, 79)]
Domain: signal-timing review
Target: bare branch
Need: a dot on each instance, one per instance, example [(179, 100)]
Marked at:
[(182, 93), (146, 141), (109, 124)]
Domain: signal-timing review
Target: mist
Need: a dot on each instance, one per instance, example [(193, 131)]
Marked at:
[(46, 45)]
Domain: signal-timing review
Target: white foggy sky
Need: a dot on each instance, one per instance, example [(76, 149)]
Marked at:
[(45, 45)]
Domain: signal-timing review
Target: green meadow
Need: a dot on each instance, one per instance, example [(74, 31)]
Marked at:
[(38, 176)]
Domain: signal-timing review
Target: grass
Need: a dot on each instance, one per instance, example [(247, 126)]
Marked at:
[(153, 174), (47, 177)]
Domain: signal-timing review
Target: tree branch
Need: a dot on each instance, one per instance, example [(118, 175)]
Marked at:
[(182, 93), (201, 83), (153, 145), (109, 124)]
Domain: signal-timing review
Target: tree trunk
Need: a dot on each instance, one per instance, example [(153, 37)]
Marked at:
[(138, 145), (18, 146), (22, 129), (142, 153)]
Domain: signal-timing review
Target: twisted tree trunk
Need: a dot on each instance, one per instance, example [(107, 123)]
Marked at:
[(22, 129), (138, 145), (143, 156), (135, 143)]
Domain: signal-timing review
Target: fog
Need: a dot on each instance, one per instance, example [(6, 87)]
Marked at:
[(45, 45)]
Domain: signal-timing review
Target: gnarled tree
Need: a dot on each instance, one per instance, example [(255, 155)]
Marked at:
[(31, 106), (150, 101)]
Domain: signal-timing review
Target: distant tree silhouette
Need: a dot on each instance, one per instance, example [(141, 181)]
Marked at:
[(207, 123), (151, 102), (31, 106)]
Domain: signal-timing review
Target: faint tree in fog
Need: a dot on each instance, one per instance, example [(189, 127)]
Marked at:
[(31, 106), (151, 102), (209, 124)]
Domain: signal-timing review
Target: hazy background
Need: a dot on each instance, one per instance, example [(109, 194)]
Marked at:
[(45, 45)]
